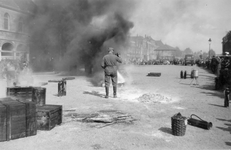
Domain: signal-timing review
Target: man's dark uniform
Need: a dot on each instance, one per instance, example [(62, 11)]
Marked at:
[(109, 64)]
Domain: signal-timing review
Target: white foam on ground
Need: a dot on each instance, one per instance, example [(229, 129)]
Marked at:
[(130, 93), (178, 107), (137, 95), (160, 135)]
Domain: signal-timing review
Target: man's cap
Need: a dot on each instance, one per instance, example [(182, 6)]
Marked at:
[(110, 49)]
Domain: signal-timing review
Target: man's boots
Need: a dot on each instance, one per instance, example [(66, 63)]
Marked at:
[(114, 91), (107, 91)]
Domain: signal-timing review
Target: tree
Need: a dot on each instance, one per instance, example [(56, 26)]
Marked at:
[(204, 55), (188, 51), (177, 53), (212, 53)]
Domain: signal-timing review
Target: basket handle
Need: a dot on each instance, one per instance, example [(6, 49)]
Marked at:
[(196, 116)]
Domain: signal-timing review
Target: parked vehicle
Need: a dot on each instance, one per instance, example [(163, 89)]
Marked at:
[(189, 59)]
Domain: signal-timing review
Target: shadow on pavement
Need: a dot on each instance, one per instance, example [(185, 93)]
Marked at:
[(207, 76), (228, 128), (217, 105), (223, 119), (207, 87), (225, 129), (166, 130), (217, 94), (228, 143), (211, 90), (95, 93)]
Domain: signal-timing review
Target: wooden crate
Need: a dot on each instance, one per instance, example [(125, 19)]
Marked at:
[(39, 96), (17, 119), (3, 123), (31, 120), (20, 92), (34, 94), (48, 116)]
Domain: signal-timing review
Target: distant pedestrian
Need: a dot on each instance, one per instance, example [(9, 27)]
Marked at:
[(218, 67), (109, 64)]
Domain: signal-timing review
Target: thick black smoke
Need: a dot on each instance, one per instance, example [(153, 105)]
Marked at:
[(70, 34)]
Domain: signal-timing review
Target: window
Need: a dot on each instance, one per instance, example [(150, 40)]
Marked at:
[(6, 21), (7, 49)]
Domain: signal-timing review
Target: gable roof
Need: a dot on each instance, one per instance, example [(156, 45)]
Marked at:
[(159, 43)]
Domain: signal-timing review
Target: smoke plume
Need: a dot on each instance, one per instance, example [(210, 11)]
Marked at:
[(67, 35)]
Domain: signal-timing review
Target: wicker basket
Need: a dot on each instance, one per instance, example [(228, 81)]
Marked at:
[(179, 123)]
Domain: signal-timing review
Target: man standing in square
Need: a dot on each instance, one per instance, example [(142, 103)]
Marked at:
[(109, 64)]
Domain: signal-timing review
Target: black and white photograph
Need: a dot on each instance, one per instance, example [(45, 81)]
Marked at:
[(115, 74)]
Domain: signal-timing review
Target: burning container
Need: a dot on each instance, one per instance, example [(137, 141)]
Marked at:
[(62, 88), (20, 92), (62, 85), (35, 94)]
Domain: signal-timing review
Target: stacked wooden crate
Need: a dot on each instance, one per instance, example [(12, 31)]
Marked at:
[(47, 115), (17, 119), (25, 111)]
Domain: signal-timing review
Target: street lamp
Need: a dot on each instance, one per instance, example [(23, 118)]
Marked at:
[(209, 46)]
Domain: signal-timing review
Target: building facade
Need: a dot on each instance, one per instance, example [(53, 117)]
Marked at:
[(164, 52), (226, 43), (13, 34), (148, 49), (141, 48)]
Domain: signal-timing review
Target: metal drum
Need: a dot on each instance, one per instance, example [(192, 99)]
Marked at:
[(195, 73), (62, 88), (39, 96)]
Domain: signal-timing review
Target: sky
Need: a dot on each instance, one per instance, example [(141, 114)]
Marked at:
[(184, 23)]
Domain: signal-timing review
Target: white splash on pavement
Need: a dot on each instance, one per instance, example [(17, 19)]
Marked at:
[(131, 93), (178, 107), (160, 135)]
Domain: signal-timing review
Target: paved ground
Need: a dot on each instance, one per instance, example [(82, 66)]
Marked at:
[(152, 101)]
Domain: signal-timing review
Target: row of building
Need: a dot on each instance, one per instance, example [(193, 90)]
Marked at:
[(14, 36), (146, 49)]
